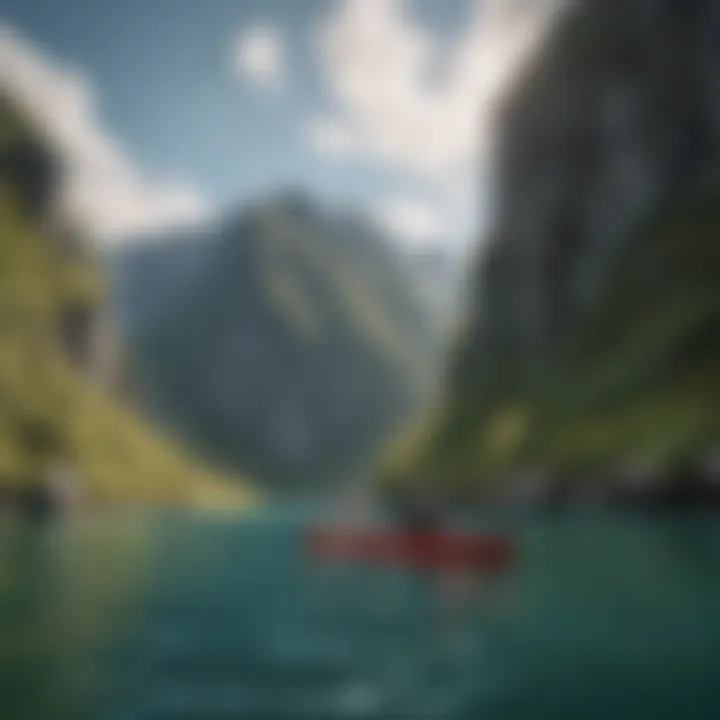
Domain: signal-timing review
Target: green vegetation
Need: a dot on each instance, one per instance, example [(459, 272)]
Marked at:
[(638, 384), (51, 410), (590, 357)]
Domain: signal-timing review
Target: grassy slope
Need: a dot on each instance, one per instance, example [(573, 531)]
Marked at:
[(48, 412), (639, 383)]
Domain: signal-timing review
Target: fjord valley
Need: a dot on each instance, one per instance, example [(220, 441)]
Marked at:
[(359, 359)]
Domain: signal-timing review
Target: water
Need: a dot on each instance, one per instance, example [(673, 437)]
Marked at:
[(217, 617)]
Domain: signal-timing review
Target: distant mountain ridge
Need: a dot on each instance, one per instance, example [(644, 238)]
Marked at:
[(284, 339)]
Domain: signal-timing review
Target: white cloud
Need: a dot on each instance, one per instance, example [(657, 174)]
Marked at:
[(259, 56), (332, 138), (411, 103), (103, 187), (414, 221)]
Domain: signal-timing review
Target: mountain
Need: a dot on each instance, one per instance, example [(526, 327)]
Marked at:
[(151, 274), (591, 352), (438, 274), (61, 422), (285, 339)]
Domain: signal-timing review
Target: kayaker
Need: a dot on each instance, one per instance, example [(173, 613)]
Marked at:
[(415, 509)]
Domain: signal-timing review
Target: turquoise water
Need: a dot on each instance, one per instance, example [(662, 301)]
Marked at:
[(219, 617)]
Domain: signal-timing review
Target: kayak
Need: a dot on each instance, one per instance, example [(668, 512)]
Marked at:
[(425, 548)]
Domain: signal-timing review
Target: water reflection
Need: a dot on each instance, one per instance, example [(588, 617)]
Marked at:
[(66, 592), (187, 617)]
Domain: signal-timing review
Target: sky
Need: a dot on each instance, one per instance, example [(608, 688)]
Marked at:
[(169, 111)]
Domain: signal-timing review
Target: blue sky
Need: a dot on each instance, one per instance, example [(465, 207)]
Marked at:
[(201, 105)]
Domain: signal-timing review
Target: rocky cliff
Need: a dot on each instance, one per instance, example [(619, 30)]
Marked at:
[(591, 338)]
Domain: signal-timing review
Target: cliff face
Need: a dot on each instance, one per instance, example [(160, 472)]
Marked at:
[(285, 340), (617, 117), (590, 342)]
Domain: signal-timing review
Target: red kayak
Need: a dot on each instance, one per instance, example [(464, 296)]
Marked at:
[(432, 549)]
